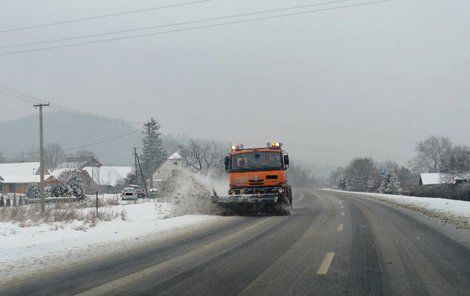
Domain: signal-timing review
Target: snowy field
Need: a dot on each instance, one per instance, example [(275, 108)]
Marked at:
[(453, 211), (72, 233), (51, 245)]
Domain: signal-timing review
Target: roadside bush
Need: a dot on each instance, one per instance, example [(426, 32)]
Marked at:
[(464, 192), (58, 190), (33, 191), (449, 191)]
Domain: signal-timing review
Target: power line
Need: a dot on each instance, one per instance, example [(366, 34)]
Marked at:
[(19, 93), (102, 16), (172, 24), (194, 28), (26, 98), (14, 100), (103, 141), (35, 152)]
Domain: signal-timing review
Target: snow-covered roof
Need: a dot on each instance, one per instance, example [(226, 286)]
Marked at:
[(108, 175), (175, 156), (57, 172), (19, 169), (123, 170), (79, 162), (22, 178), (436, 178)]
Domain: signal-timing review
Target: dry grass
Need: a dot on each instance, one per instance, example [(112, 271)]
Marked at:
[(84, 211)]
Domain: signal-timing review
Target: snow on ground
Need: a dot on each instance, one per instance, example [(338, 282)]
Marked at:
[(448, 210), (50, 245), (71, 233)]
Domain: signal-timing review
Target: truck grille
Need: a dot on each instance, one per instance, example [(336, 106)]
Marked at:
[(256, 183)]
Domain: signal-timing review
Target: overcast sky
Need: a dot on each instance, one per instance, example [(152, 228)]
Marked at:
[(362, 81)]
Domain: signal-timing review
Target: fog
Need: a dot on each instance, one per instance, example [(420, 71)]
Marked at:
[(359, 81)]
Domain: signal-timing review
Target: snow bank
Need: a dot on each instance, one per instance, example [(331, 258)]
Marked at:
[(454, 211), (51, 245), (192, 195)]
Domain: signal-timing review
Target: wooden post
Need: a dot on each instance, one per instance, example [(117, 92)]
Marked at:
[(97, 204), (41, 157)]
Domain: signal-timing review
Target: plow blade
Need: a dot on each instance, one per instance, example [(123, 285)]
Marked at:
[(249, 203), (245, 199)]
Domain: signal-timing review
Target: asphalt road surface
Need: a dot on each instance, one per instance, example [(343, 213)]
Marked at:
[(332, 244)]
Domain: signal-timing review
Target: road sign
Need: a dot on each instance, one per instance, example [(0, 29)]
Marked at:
[(383, 172), (370, 184)]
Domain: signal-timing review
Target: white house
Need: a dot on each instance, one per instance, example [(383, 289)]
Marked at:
[(169, 171)]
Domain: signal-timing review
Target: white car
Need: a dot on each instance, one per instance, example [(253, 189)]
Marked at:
[(129, 193)]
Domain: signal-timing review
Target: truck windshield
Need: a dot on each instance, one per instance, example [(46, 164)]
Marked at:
[(256, 161)]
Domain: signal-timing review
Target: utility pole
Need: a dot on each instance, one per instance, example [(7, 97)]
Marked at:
[(41, 156), (142, 175), (150, 156), (135, 165)]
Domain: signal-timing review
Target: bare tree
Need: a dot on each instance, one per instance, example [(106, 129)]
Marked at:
[(203, 155), (433, 155), (54, 155), (359, 171), (458, 160), (84, 153)]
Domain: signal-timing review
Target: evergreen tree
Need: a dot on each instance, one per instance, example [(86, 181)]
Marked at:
[(152, 147), (33, 191), (390, 184), (76, 184), (393, 185)]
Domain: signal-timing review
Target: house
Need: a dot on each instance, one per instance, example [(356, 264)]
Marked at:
[(16, 177), (80, 162), (20, 183), (169, 172), (108, 175), (21, 169), (63, 174), (430, 179)]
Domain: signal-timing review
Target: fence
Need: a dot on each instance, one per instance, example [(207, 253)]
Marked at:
[(13, 200)]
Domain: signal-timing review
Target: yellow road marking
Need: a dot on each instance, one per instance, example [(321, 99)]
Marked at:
[(340, 227), (325, 264)]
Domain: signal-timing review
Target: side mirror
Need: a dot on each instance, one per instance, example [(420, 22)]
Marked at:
[(286, 160), (227, 163)]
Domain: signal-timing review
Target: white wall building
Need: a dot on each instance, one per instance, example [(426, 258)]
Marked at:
[(169, 171)]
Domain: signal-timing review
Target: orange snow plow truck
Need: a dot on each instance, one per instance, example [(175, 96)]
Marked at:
[(258, 180)]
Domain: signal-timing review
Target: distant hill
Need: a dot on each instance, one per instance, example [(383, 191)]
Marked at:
[(71, 130)]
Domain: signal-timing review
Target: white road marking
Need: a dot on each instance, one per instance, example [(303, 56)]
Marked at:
[(325, 264), (340, 227), (342, 206), (342, 213)]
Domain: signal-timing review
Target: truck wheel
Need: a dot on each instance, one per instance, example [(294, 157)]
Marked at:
[(289, 194), (283, 207)]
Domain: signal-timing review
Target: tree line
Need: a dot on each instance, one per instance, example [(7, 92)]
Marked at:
[(433, 155), (205, 156)]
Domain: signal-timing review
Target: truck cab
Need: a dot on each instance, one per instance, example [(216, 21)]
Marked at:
[(258, 170)]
